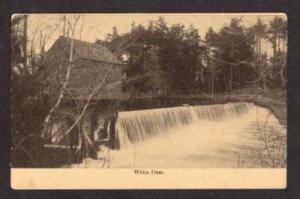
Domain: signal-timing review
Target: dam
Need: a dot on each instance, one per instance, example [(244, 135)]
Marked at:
[(233, 135)]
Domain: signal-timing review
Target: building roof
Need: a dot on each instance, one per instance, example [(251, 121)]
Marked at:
[(88, 50), (91, 63)]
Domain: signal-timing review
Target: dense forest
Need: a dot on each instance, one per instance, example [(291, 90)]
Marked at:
[(173, 59)]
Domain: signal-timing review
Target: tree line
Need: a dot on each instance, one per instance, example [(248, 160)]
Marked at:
[(173, 59)]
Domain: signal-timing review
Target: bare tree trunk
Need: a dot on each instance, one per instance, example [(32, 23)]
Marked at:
[(264, 84), (283, 46), (231, 76), (82, 24), (259, 46), (64, 87), (274, 47), (212, 87), (281, 74), (64, 26), (25, 39), (278, 44)]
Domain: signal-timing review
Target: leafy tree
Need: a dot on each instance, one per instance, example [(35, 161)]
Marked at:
[(233, 56), (277, 31), (257, 33), (211, 37), (142, 63), (162, 58), (278, 36), (179, 57), (260, 30)]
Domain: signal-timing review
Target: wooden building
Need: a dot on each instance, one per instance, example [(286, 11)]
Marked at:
[(96, 74)]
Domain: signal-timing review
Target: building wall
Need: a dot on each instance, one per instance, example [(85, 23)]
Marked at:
[(88, 74), (83, 74)]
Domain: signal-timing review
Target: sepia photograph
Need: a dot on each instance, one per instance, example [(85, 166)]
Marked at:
[(148, 92)]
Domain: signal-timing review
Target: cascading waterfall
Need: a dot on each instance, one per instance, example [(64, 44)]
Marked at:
[(210, 136), (136, 126)]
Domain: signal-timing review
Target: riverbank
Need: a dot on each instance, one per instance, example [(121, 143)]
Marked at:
[(274, 100)]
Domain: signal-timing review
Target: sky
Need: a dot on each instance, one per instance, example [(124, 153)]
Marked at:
[(97, 26)]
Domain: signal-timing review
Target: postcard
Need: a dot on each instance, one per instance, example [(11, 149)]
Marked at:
[(149, 101)]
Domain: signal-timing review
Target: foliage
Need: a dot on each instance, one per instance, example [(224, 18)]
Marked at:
[(167, 59), (233, 55), (277, 31)]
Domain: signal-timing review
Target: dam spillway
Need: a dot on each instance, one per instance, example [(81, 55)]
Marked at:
[(210, 136), (136, 126), (233, 135)]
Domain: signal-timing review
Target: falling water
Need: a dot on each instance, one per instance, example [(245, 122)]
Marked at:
[(209, 136), (136, 126)]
